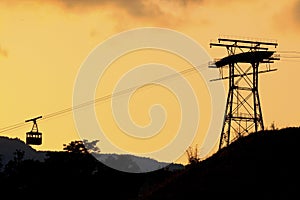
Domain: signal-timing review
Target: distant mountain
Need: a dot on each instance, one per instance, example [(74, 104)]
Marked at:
[(122, 162), (263, 165), (8, 146), (134, 164)]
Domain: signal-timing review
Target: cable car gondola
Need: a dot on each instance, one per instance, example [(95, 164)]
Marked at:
[(34, 137)]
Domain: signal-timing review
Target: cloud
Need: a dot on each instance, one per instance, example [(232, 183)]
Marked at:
[(133, 7), (296, 11), (141, 8), (287, 18), (150, 12), (3, 52), (137, 8)]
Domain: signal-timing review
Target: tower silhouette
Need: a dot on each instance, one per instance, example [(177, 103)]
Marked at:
[(243, 113)]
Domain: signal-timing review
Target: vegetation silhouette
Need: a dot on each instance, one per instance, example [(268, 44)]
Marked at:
[(259, 165), (70, 172), (76, 146), (193, 155)]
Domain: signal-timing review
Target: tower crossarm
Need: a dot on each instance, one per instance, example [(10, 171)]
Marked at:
[(247, 57), (255, 42), (244, 44), (239, 46)]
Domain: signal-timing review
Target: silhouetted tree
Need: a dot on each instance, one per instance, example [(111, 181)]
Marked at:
[(273, 127), (76, 146), (13, 165), (19, 156), (92, 146), (84, 147), (77, 158), (193, 156)]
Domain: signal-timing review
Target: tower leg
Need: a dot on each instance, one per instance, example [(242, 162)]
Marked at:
[(225, 134), (257, 106)]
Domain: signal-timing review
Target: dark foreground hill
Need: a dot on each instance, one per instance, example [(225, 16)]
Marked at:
[(264, 165), (73, 173)]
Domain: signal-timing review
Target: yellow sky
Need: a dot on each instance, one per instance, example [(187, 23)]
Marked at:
[(44, 43)]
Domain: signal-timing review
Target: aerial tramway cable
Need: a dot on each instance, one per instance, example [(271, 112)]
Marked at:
[(288, 55), (103, 98)]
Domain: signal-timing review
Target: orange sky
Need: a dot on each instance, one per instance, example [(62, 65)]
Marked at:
[(43, 44)]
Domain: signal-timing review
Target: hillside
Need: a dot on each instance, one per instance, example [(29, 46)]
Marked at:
[(8, 147), (69, 174), (264, 165)]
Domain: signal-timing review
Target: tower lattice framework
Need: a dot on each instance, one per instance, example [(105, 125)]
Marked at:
[(243, 112)]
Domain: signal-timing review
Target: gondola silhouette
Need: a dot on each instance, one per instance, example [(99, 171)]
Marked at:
[(34, 137)]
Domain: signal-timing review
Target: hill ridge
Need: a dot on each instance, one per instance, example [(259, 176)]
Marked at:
[(258, 164)]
